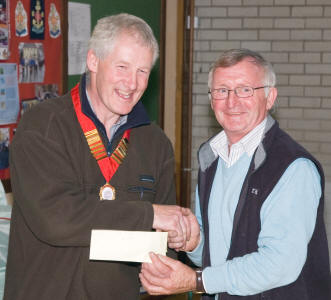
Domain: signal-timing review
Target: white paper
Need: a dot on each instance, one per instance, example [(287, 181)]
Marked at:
[(133, 246), (79, 20)]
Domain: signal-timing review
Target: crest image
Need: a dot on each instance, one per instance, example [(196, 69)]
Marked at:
[(54, 22), (21, 20), (37, 19)]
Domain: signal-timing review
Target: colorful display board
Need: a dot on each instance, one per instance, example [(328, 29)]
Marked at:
[(31, 62)]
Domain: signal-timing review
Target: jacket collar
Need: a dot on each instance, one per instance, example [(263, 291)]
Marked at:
[(206, 156), (260, 153)]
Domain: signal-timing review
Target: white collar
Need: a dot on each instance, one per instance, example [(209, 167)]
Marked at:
[(220, 145)]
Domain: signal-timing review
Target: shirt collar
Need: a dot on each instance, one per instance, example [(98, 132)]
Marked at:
[(122, 119), (220, 145), (137, 117)]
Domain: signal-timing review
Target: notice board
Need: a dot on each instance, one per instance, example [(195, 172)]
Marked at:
[(31, 44)]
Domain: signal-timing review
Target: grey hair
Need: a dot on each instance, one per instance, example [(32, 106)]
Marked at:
[(109, 28), (231, 57)]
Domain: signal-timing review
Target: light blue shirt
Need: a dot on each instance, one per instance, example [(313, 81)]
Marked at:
[(287, 216), (121, 121)]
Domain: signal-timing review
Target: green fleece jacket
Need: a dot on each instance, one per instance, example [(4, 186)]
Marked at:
[(56, 182)]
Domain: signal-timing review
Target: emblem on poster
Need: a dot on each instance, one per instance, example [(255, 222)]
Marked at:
[(21, 20), (37, 19), (54, 22)]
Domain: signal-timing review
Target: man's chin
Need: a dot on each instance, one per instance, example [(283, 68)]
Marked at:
[(124, 111)]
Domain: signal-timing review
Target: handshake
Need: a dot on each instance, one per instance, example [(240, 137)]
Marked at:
[(181, 225), (165, 275)]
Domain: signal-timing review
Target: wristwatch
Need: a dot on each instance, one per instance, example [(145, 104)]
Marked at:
[(199, 283)]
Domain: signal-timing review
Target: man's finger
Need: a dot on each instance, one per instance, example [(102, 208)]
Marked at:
[(188, 228), (159, 265), (172, 234), (151, 288), (166, 261), (152, 271)]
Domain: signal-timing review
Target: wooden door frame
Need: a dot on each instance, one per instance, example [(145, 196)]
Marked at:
[(177, 119), (186, 121)]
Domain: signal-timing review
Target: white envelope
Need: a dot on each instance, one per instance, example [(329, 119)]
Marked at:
[(133, 246)]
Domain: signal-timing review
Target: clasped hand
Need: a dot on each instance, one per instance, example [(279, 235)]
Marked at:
[(166, 275), (181, 225)]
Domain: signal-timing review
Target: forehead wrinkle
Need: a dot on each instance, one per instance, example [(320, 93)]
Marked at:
[(237, 75)]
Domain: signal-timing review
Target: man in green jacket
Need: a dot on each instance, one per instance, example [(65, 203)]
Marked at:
[(90, 159)]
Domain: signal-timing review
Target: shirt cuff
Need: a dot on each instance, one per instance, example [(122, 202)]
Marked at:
[(196, 254)]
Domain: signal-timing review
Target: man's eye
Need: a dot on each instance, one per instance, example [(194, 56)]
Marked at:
[(222, 91), (246, 89)]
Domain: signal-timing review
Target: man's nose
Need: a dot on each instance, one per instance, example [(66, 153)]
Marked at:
[(232, 99), (132, 80)]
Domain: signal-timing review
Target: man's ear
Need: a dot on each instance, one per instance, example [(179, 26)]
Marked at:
[(271, 97), (211, 101), (92, 61)]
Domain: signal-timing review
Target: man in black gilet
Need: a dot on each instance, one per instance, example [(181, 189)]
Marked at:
[(260, 201)]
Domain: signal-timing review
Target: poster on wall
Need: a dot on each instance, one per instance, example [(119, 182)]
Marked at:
[(9, 98), (32, 62), (37, 19), (46, 91), (54, 22), (21, 20), (4, 30), (43, 92)]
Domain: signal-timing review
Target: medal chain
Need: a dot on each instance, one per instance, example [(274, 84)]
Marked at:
[(107, 165)]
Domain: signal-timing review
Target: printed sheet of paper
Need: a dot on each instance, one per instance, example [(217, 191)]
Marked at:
[(9, 98), (131, 246), (79, 19)]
